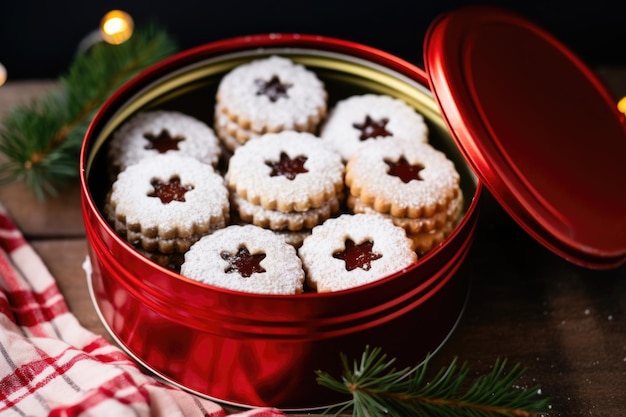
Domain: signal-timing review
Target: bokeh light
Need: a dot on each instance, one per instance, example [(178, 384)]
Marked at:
[(116, 27), (621, 105), (3, 74)]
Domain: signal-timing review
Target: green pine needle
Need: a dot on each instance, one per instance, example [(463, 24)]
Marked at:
[(41, 140), (379, 390)]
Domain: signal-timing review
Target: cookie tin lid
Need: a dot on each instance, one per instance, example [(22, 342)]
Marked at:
[(537, 127)]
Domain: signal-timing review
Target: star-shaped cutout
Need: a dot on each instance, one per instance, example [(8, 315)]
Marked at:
[(405, 171), (162, 142), (243, 263), (169, 191), (273, 89), (357, 256), (288, 167), (371, 128)]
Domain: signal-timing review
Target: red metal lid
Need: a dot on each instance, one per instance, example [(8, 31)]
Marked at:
[(537, 127)]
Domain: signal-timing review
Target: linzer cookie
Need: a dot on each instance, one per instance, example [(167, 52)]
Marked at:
[(158, 132), (353, 250), (284, 221), (290, 172), (268, 95), (296, 238), (423, 242), (409, 182), (403, 178), (360, 119), (165, 203), (245, 258), (417, 224)]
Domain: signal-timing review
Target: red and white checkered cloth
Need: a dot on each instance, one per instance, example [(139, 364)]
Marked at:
[(51, 366)]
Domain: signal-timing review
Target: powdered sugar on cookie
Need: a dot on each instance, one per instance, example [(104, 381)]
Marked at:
[(360, 119), (252, 172), (353, 250), (375, 176), (159, 132), (245, 258), (271, 95), (169, 197)]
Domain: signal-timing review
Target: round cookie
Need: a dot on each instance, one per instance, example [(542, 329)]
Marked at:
[(231, 135), (167, 202), (245, 258), (403, 178), (269, 95), (296, 238), (419, 224), (157, 132), (423, 242), (286, 171), (284, 221), (361, 119), (353, 250)]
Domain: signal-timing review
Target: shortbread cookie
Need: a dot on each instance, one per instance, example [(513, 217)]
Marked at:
[(231, 135), (245, 258), (167, 202), (360, 119), (418, 224), (423, 242), (353, 250), (269, 95), (287, 171), (157, 132), (403, 178), (280, 220), (296, 238), (171, 261)]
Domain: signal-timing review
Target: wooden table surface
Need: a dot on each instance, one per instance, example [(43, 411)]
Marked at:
[(565, 324)]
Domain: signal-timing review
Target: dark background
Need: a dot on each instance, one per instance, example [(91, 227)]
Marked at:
[(39, 38)]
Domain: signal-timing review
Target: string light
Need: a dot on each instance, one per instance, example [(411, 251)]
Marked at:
[(3, 75), (116, 27), (621, 105)]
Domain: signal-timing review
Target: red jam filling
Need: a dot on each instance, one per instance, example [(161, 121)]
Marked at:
[(287, 167), (243, 263), (358, 256), (371, 128), (273, 89), (169, 191), (405, 171), (162, 142)]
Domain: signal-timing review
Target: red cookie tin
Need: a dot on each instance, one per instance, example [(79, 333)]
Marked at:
[(261, 350)]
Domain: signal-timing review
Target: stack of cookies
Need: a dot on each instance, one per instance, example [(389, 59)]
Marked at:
[(411, 183), (287, 182), (156, 132), (357, 120), (165, 203), (268, 95)]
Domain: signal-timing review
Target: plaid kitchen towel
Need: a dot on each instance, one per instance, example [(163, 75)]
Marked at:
[(51, 366)]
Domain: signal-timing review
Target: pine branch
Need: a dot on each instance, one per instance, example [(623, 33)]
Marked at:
[(379, 390), (42, 139)]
